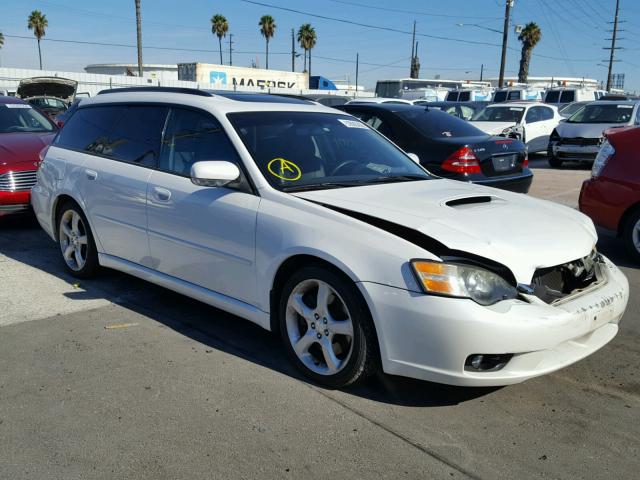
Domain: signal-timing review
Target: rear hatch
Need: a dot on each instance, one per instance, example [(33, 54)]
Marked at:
[(61, 88)]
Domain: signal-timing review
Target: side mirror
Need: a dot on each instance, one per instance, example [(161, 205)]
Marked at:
[(214, 173), (414, 157)]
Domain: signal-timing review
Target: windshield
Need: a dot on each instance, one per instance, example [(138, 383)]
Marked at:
[(309, 151), (603, 113), (19, 117), (438, 124), (571, 109), (499, 114)]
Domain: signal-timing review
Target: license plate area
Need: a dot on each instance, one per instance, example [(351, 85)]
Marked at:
[(503, 163)]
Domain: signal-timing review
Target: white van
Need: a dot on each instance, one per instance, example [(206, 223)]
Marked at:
[(469, 95), (518, 94), (562, 95)]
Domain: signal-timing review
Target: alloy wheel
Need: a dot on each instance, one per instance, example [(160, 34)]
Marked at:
[(319, 327), (635, 235), (73, 240)]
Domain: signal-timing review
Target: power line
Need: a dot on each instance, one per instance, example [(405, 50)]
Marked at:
[(377, 27), (412, 12)]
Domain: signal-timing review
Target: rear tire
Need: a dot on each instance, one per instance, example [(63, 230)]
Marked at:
[(77, 246), (326, 328), (631, 236), (555, 162)]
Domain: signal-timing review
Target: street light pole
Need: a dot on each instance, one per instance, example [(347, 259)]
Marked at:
[(505, 37)]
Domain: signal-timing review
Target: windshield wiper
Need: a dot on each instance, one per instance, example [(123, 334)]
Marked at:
[(395, 178), (319, 186)]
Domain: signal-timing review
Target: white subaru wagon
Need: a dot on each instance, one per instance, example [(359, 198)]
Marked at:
[(309, 223)]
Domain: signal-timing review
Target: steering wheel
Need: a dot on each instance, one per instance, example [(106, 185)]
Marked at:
[(342, 165)]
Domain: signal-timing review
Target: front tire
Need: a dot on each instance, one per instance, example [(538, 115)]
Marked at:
[(326, 328), (76, 242), (631, 236), (555, 162)]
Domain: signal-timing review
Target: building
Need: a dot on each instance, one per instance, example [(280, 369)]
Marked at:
[(153, 71)]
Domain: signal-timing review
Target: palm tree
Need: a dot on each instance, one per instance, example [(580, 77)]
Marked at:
[(139, 36), (219, 27), (307, 38), (529, 36), (267, 29), (38, 23)]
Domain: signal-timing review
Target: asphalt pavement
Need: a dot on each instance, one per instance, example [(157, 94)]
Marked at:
[(116, 378)]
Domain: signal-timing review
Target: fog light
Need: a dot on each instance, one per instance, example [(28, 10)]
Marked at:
[(483, 362)]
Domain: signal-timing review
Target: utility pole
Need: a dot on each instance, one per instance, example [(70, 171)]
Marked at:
[(293, 50), (505, 38), (357, 66), (230, 49), (139, 35), (481, 70), (413, 50), (613, 46)]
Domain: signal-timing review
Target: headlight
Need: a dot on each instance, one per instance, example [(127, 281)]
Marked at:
[(462, 281)]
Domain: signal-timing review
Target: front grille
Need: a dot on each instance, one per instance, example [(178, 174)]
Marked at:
[(581, 141), (17, 181), (555, 283)]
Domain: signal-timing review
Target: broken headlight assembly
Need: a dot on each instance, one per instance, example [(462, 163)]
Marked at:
[(462, 281)]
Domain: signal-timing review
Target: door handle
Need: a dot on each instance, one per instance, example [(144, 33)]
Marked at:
[(162, 194), (91, 174)]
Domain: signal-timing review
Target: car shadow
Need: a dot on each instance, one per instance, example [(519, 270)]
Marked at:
[(22, 240), (541, 161)]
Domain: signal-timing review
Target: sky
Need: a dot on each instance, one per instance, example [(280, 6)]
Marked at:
[(573, 34)]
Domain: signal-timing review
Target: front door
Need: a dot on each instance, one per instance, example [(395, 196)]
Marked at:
[(203, 235)]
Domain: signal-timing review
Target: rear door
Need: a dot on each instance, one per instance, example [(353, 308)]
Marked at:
[(121, 145)]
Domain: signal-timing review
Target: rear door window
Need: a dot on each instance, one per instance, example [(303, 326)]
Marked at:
[(514, 95), (130, 133), (552, 96), (464, 96), (546, 113)]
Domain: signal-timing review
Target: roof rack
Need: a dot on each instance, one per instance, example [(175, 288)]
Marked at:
[(189, 91)]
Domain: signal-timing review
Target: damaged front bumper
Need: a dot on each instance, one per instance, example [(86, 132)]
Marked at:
[(431, 338)]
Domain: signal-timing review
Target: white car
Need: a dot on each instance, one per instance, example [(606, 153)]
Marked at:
[(527, 121), (309, 223), (578, 138)]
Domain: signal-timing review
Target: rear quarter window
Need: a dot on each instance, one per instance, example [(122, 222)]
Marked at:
[(438, 124)]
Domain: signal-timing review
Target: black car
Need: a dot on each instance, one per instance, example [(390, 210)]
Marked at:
[(464, 110), (448, 146)]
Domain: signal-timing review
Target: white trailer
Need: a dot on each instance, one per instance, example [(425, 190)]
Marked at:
[(225, 76)]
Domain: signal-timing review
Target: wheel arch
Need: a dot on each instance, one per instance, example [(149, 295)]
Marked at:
[(290, 265), (55, 209), (625, 216)]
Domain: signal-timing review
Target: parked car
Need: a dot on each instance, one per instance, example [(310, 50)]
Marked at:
[(313, 225), (561, 96), (328, 100), (51, 95), (611, 197), (62, 118), (464, 110), (527, 121), (24, 132), (379, 100), (571, 108), (450, 147), (578, 138)]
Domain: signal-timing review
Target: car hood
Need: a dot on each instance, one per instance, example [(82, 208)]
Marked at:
[(20, 150), (584, 130), (62, 88), (518, 231), (492, 128)]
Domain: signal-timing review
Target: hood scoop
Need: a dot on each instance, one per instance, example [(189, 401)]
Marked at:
[(469, 201)]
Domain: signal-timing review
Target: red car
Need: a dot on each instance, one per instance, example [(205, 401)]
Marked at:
[(24, 132), (611, 197)]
